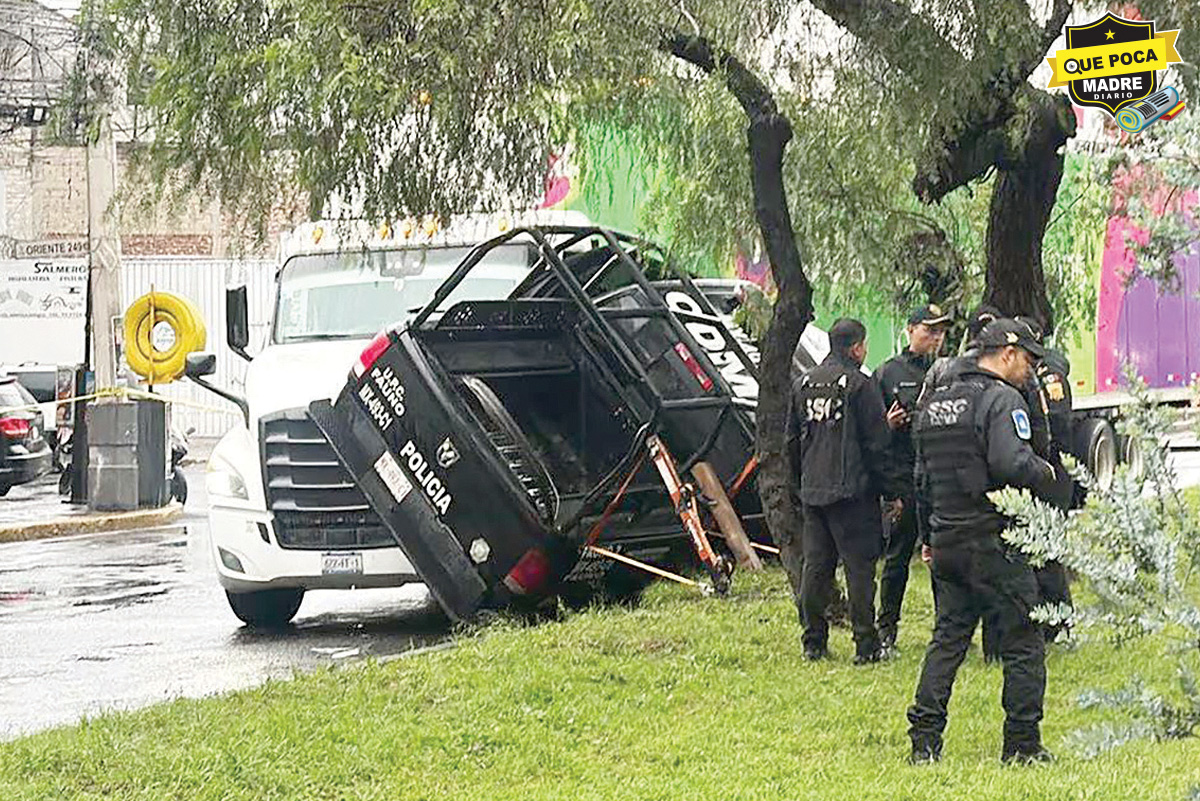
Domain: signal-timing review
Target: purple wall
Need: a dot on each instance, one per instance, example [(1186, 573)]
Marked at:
[(1157, 332)]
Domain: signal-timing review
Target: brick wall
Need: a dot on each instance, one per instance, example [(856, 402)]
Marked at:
[(44, 196)]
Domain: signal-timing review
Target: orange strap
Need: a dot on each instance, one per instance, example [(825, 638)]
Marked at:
[(599, 525), (743, 477)]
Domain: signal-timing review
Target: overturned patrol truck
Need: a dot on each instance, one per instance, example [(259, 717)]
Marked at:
[(516, 438)]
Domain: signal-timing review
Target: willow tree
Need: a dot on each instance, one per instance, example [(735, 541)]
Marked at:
[(412, 107), (966, 65)]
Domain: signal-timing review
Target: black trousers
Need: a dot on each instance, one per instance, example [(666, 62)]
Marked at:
[(849, 530), (970, 583), (1053, 588), (893, 578)]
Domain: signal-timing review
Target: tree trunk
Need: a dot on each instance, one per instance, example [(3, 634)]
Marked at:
[(768, 134), (1022, 201)]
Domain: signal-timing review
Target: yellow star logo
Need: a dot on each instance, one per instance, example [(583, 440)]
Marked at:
[(1108, 34)]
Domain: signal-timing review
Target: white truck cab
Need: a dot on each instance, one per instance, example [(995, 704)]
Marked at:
[(284, 515)]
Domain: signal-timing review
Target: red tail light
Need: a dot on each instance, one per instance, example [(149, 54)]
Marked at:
[(530, 573), (372, 352), (14, 426), (693, 366)]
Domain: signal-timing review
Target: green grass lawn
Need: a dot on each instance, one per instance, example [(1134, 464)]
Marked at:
[(684, 697)]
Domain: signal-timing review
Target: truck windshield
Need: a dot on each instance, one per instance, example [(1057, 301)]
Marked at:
[(356, 294)]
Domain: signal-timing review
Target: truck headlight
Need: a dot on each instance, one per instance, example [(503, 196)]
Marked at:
[(222, 479)]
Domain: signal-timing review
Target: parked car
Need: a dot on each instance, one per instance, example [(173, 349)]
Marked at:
[(50, 385), (24, 451)]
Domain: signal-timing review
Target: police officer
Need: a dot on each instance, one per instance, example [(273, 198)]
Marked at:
[(900, 379), (1051, 577), (843, 440), (973, 437)]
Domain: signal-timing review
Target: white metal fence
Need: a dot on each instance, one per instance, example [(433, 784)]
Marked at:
[(203, 282)]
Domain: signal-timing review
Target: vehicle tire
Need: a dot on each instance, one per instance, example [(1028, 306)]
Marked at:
[(513, 445), (179, 487), (1096, 448), (1131, 456), (4, 488), (266, 609)]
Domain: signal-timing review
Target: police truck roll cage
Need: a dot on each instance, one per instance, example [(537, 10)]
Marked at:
[(640, 394), (502, 439)]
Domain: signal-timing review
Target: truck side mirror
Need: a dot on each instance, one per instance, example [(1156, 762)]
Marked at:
[(237, 321), (198, 365)]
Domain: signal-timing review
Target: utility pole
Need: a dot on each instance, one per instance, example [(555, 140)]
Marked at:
[(104, 244)]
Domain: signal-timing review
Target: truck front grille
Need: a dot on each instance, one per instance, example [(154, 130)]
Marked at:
[(315, 503)]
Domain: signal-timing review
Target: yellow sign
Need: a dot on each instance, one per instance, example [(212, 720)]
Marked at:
[(1109, 60)]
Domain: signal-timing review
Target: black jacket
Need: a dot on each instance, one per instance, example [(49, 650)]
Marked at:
[(972, 437), (839, 437), (1053, 375), (900, 379)]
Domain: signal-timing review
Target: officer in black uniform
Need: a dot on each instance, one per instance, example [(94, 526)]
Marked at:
[(1051, 577), (843, 440), (973, 437), (900, 379)]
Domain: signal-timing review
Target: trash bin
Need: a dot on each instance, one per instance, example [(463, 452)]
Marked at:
[(127, 455)]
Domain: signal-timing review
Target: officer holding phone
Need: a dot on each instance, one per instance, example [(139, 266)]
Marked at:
[(900, 379)]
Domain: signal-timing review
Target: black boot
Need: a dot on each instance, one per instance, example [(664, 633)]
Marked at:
[(925, 750), (1024, 749)]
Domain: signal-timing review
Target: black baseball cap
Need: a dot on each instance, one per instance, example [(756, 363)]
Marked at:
[(929, 315), (1006, 331)]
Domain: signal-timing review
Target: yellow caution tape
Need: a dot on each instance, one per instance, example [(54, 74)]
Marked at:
[(124, 393), (148, 311)]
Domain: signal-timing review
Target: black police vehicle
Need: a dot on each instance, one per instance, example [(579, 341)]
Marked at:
[(499, 437)]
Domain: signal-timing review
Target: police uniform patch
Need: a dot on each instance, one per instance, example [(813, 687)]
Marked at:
[(1021, 422), (1054, 388)]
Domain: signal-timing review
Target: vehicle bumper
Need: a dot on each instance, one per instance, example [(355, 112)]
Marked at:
[(238, 533), (23, 468)]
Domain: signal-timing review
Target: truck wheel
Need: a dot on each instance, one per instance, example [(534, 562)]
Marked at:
[(508, 438), (1096, 446), (1131, 456), (266, 609)]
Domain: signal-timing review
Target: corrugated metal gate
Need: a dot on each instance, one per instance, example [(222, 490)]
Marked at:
[(203, 282)]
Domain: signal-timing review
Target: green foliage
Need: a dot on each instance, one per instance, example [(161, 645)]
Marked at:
[(1074, 245), (1136, 546)]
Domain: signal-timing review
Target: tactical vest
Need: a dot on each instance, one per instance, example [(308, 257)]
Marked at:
[(830, 469), (955, 461)]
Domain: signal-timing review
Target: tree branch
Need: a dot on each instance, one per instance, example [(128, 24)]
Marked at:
[(1050, 32), (750, 92), (905, 39)]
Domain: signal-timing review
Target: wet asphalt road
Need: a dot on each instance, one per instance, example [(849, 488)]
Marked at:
[(124, 620)]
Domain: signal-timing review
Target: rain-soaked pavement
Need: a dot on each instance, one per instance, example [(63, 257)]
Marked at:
[(124, 620)]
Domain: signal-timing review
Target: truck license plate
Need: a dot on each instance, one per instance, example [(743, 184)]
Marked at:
[(341, 563)]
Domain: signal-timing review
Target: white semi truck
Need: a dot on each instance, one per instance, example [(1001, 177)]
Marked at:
[(284, 516)]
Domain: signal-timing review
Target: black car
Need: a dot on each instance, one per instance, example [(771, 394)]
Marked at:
[(498, 437), (24, 451)]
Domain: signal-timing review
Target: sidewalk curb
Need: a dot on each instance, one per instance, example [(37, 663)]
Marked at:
[(92, 523)]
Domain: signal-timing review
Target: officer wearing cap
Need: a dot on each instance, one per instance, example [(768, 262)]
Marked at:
[(842, 440), (973, 437), (900, 379)]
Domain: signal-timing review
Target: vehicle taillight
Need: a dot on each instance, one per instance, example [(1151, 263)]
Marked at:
[(372, 352), (14, 426), (530, 573), (693, 366)]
